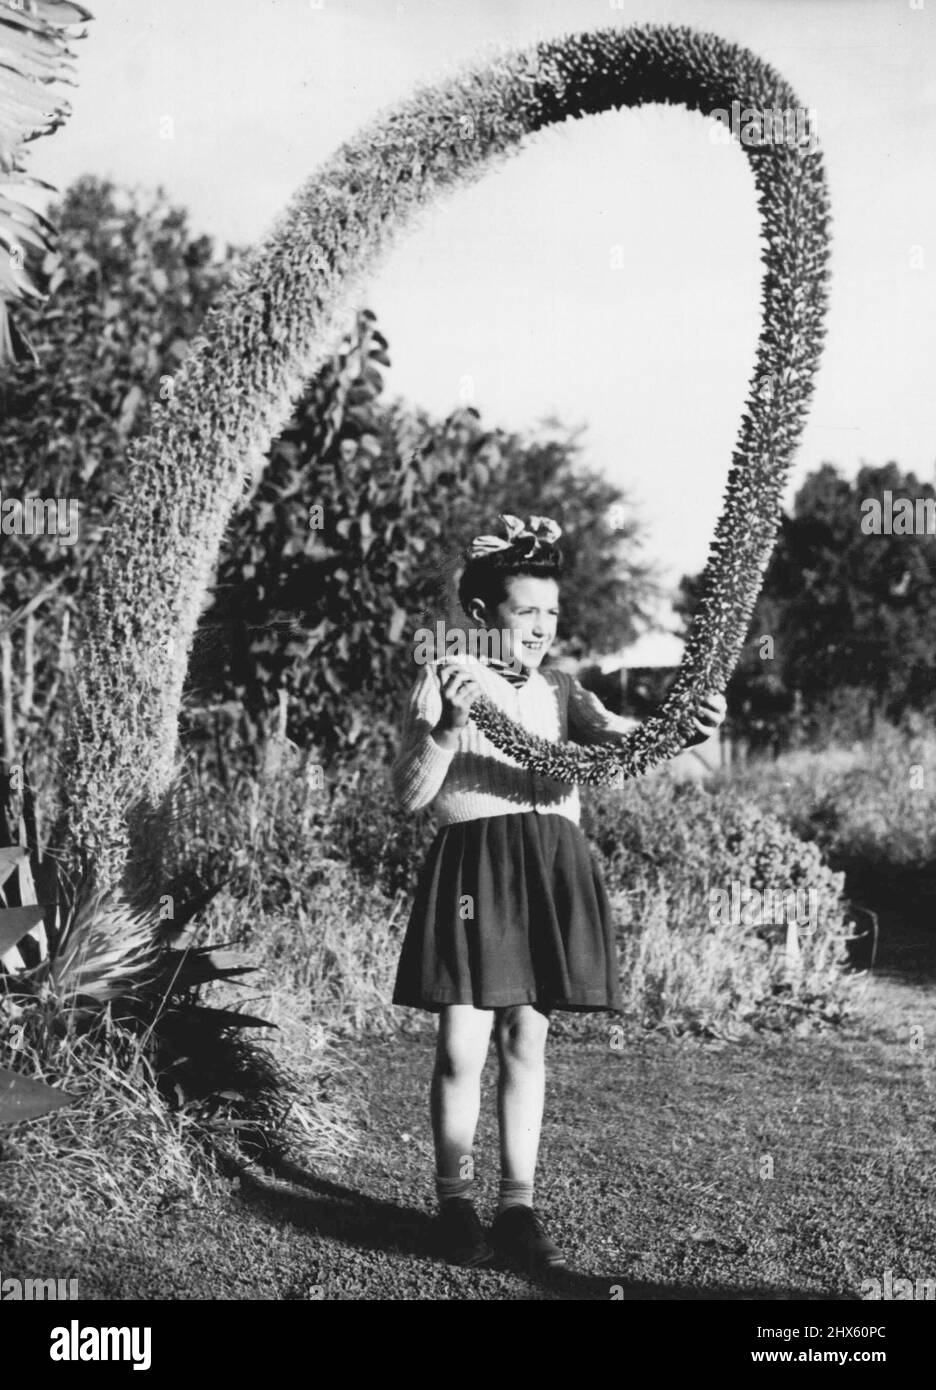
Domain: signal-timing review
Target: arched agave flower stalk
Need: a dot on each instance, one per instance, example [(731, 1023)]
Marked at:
[(278, 320)]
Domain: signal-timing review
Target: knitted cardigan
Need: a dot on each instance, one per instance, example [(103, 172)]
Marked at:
[(474, 778)]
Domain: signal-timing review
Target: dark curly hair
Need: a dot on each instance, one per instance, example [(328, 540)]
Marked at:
[(485, 577)]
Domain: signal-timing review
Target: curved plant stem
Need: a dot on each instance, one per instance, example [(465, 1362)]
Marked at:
[(280, 317)]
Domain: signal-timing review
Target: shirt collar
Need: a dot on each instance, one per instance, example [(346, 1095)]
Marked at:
[(499, 674)]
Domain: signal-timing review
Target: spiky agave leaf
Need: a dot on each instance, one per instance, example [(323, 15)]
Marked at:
[(203, 965), (34, 57), (278, 319), (17, 922), (23, 1098), (104, 950), (11, 856)]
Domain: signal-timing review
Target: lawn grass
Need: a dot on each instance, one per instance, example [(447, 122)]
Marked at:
[(797, 1162), (652, 1175)]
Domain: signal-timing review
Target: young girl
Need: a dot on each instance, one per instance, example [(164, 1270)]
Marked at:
[(510, 918)]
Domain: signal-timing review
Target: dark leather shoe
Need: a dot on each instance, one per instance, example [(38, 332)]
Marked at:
[(459, 1234), (518, 1234)]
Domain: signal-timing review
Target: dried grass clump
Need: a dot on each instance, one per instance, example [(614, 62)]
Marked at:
[(108, 1162)]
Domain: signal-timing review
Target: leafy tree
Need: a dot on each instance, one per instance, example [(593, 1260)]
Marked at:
[(327, 611), (324, 612), (859, 607), (132, 288), (321, 571), (845, 610)]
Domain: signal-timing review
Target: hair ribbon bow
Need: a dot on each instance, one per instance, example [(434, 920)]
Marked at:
[(540, 531)]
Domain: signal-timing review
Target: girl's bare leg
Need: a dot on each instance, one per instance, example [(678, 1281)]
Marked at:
[(455, 1093), (521, 1045)]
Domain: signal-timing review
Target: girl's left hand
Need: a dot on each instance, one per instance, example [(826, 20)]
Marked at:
[(708, 714)]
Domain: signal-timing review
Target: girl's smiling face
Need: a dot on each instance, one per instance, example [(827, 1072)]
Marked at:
[(528, 615)]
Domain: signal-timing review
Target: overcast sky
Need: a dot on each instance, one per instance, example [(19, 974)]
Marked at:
[(511, 282)]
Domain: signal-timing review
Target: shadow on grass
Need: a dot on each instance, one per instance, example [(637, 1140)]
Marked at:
[(340, 1213)]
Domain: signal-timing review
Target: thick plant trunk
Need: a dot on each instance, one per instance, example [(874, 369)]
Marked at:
[(274, 325)]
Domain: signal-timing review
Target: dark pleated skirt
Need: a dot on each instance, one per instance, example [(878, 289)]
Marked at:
[(510, 910)]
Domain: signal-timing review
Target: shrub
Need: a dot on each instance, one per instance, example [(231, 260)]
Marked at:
[(321, 885), (663, 847), (870, 807), (316, 873)]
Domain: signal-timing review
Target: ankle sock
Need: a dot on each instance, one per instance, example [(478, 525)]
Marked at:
[(446, 1188), (514, 1193)]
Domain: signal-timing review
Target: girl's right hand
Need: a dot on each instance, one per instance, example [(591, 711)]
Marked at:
[(459, 692)]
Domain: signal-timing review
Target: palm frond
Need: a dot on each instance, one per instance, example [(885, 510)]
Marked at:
[(34, 59)]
